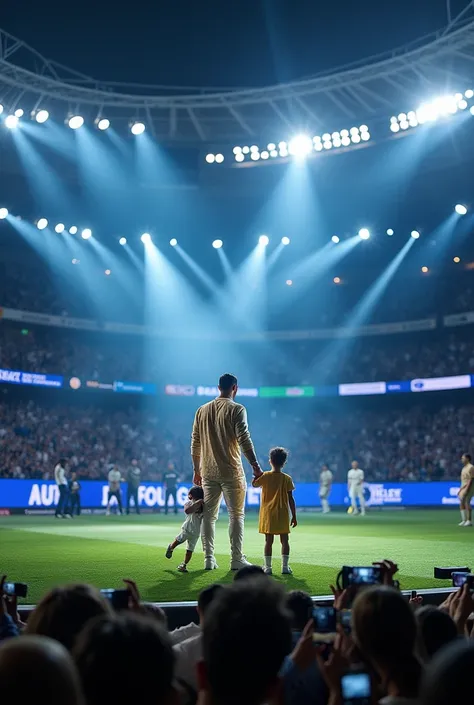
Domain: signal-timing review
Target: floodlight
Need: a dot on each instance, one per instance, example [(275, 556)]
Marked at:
[(219, 158), (335, 239), (42, 223), (123, 241), (460, 209), (137, 128), (41, 116), (146, 237), (86, 234), (263, 240), (390, 232), (415, 234), (59, 228), (285, 240), (364, 234), (73, 230), (173, 242), (103, 124), (210, 158), (75, 122), (19, 112), (11, 121), (3, 213), (217, 244)]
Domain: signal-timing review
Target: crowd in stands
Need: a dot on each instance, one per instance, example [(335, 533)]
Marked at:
[(254, 644), (109, 357), (413, 445)]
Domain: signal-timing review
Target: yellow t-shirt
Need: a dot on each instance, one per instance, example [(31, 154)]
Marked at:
[(467, 474), (274, 509)]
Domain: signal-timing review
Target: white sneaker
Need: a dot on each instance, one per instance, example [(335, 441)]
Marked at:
[(210, 563), (238, 564), (286, 571), (461, 523), (267, 571), (468, 523)]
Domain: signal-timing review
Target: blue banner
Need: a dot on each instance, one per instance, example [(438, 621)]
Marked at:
[(33, 494), (135, 387), (32, 378)]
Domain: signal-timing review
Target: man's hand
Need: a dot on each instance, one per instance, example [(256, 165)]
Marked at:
[(257, 470), (197, 479), (293, 522), (388, 570), (134, 600)]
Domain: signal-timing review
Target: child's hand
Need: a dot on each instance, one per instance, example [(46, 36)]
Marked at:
[(293, 522)]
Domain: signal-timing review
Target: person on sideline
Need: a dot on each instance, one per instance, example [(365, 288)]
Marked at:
[(466, 491), (325, 482), (61, 482), (114, 477), (170, 482), (355, 486), (133, 483), (275, 505), (220, 433)]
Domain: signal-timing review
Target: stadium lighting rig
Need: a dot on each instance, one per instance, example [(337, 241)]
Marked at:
[(301, 146), (439, 108)]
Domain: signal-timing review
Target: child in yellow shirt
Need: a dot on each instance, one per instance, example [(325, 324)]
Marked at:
[(275, 505)]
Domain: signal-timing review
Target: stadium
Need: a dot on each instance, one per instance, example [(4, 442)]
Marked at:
[(312, 236)]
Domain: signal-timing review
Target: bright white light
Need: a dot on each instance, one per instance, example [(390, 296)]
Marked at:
[(365, 136), (254, 148), (460, 209), (346, 141), (327, 145), (255, 156), (415, 234), (59, 228), (173, 242), (138, 128), (363, 128), (265, 154), (300, 146), (11, 121), (3, 213), (1, 108), (239, 157), (146, 237), (469, 94), (344, 133), (364, 234), (75, 122), (318, 146), (274, 153), (355, 138), (237, 150), (75, 261), (41, 116), (217, 244), (19, 113), (390, 232), (245, 150), (402, 117), (354, 130), (394, 126), (263, 240), (336, 142), (107, 272), (210, 158), (335, 239), (289, 282), (404, 124), (462, 105), (103, 124), (285, 240), (86, 234), (73, 230), (271, 146), (219, 158), (326, 137), (123, 241), (42, 224), (471, 110)]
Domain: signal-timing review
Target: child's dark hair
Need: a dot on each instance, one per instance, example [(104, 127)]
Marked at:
[(278, 457), (196, 492)]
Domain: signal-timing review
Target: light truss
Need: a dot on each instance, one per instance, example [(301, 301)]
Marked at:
[(365, 90)]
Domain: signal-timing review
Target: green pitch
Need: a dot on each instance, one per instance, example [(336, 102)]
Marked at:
[(43, 551)]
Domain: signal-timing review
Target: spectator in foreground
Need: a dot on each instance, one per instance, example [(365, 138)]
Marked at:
[(435, 629), (448, 678), (246, 637), (189, 652), (125, 658), (384, 630), (248, 571), (64, 611), (38, 670)]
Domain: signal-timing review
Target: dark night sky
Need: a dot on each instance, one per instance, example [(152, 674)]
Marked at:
[(217, 42)]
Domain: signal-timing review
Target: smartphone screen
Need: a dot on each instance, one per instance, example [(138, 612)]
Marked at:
[(459, 578), (15, 589), (355, 688), (345, 619), (325, 624), (118, 598)]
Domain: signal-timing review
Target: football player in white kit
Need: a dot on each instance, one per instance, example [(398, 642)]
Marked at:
[(325, 482), (355, 487)]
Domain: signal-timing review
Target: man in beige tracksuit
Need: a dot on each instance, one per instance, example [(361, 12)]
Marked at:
[(220, 433)]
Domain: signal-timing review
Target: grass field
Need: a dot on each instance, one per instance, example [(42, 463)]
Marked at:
[(43, 551)]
